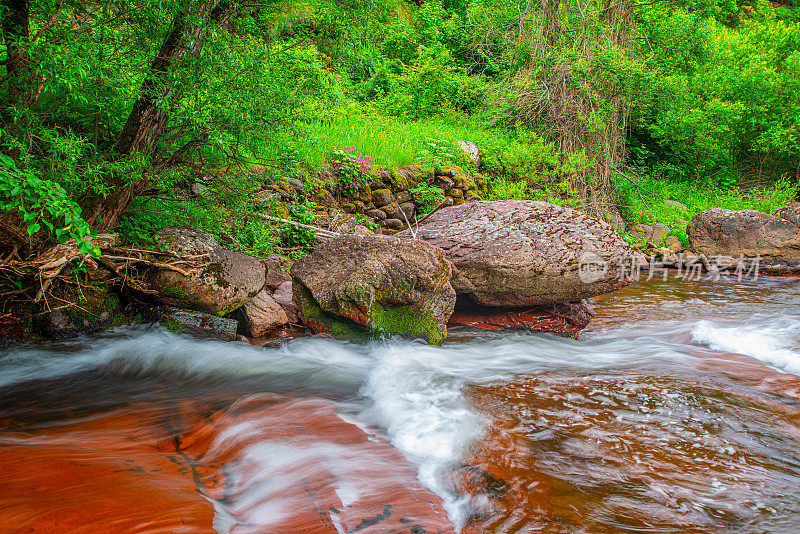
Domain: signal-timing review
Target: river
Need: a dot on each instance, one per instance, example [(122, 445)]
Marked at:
[(678, 410)]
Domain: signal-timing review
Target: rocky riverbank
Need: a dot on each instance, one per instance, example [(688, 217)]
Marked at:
[(498, 265)]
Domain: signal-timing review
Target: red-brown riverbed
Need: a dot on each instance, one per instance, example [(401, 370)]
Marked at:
[(677, 411)]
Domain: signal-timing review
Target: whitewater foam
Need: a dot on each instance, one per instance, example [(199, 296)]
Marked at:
[(774, 341)]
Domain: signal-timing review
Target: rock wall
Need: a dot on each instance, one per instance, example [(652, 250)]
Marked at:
[(390, 202)]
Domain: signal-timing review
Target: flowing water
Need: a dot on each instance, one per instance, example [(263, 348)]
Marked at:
[(677, 411)]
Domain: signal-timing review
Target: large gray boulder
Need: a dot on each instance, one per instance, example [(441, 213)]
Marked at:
[(750, 233), (379, 283), (527, 253), (227, 281)]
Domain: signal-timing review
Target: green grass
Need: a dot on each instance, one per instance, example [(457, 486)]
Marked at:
[(648, 203), (390, 141)]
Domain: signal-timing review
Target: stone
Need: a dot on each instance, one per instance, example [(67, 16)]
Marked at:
[(277, 271), (364, 195), (382, 197), (527, 253), (443, 182), (262, 314), (399, 184), (655, 234), (283, 296), (668, 257), (408, 210), (98, 308), (376, 214), (394, 224), (473, 197), (455, 193), (675, 204), (790, 213), (750, 233), (471, 150), (379, 284), (199, 191), (226, 282), (410, 173), (323, 197), (186, 240), (393, 211), (296, 184), (566, 319), (200, 324), (402, 197)]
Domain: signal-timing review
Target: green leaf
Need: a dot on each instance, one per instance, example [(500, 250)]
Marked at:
[(33, 228)]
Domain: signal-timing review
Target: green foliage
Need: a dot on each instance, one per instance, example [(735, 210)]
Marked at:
[(436, 153), (427, 197), (723, 95), (297, 236), (715, 106), (43, 204)]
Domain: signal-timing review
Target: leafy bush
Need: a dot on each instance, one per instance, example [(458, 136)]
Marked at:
[(42, 203), (427, 197), (297, 236), (436, 153)]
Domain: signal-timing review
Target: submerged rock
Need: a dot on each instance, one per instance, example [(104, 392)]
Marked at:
[(526, 253), (566, 319), (201, 324), (228, 280), (386, 284)]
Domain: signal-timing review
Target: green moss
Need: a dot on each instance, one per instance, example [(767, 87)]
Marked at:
[(111, 303), (173, 325), (177, 293), (407, 320), (229, 309), (336, 326)]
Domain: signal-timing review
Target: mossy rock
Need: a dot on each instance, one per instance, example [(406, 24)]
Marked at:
[(399, 183), (382, 284), (224, 284)]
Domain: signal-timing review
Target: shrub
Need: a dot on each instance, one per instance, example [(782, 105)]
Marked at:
[(427, 197), (42, 203), (297, 236)]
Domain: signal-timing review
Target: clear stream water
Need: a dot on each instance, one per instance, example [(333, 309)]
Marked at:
[(677, 411)]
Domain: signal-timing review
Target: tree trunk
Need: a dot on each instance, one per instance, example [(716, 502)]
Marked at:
[(148, 119)]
